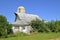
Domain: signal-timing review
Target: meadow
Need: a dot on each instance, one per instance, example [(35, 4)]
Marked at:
[(36, 36)]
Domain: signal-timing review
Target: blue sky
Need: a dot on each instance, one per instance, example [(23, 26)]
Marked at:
[(45, 9)]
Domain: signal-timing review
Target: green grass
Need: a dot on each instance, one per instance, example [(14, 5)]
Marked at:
[(37, 36)]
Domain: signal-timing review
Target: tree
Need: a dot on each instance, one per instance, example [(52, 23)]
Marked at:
[(39, 25), (52, 26), (57, 25), (35, 25), (4, 26)]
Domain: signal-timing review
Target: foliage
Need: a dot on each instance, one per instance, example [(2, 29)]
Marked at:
[(43, 26), (4, 26)]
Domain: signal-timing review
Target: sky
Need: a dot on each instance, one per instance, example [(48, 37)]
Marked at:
[(45, 9)]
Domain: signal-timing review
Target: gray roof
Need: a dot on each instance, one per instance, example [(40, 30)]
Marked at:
[(24, 19)]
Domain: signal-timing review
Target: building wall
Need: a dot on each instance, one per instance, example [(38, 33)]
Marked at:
[(24, 29)]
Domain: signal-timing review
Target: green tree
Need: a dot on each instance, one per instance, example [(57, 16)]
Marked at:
[(57, 25), (4, 26), (39, 25), (52, 26)]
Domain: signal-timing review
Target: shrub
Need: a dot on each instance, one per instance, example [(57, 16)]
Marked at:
[(42, 26), (4, 26)]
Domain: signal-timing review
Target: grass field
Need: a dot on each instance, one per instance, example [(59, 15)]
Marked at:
[(37, 36)]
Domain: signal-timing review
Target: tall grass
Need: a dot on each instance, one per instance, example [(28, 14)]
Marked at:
[(37, 36)]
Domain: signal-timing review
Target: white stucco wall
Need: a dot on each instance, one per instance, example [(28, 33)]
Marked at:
[(25, 29)]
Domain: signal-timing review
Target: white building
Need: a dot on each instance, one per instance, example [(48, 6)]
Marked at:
[(22, 21)]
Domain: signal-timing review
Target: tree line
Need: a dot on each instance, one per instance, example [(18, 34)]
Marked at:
[(44, 26)]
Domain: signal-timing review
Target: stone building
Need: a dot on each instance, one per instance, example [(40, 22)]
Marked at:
[(22, 20)]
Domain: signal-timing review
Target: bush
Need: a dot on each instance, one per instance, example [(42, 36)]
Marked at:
[(42, 26), (4, 26)]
